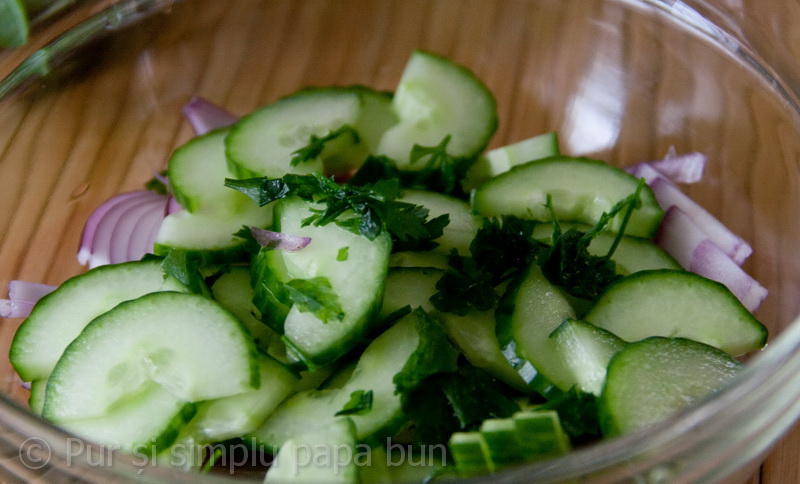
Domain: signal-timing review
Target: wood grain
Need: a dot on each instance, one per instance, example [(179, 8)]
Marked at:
[(614, 82)]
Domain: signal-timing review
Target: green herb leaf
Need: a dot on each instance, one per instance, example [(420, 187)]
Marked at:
[(185, 267), (442, 172), (360, 403), (156, 184), (369, 209), (373, 169), (314, 148), (343, 255), (434, 354), (315, 296), (578, 413)]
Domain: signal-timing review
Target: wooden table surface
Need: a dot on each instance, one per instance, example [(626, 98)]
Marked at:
[(128, 124)]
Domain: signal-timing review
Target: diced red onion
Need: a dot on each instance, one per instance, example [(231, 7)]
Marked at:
[(22, 296), (684, 240), (205, 116), (669, 195), (279, 241), (172, 206), (123, 228), (686, 168), (644, 170), (709, 261)]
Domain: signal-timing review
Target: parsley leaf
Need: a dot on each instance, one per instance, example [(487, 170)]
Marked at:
[(360, 403), (343, 254), (185, 267), (314, 148), (316, 296), (464, 287), (442, 171), (369, 209), (373, 169), (157, 184), (568, 263), (434, 354), (578, 413)]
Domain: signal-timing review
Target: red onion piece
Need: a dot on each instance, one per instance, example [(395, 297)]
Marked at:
[(205, 116), (279, 241), (123, 228), (172, 206), (22, 296), (709, 261), (686, 168), (669, 195), (644, 170), (90, 228), (684, 240)]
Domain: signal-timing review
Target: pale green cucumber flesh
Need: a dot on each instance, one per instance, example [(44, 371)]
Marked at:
[(318, 342), (581, 189), (425, 259), (241, 414), (59, 317), (500, 160), (322, 455), (436, 98), (385, 356), (153, 419), (463, 226), (209, 235), (585, 350), (675, 303), (232, 290), (653, 379), (527, 314), (163, 337)]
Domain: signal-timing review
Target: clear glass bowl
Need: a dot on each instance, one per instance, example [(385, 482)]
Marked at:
[(91, 108)]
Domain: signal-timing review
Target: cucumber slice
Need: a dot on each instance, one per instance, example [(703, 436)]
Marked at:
[(469, 453), (540, 435), (631, 255), (582, 190), (209, 235), (36, 399), (526, 316), (586, 350), (409, 286), (323, 455), (263, 142), (197, 172), (381, 360), (500, 160), (163, 337), (436, 98), (313, 340), (59, 317), (241, 414), (677, 304), (232, 290), (502, 447), (463, 226), (153, 419), (653, 379)]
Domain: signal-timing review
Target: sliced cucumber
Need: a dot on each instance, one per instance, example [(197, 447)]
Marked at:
[(581, 189), (313, 340), (470, 454), (409, 286), (463, 226), (232, 290), (323, 455), (633, 254), (502, 447), (241, 414), (197, 172), (500, 160), (209, 235), (586, 350), (59, 317), (153, 419), (677, 304), (36, 399), (381, 360), (163, 337), (434, 99), (540, 434), (263, 142), (653, 379), (527, 314)]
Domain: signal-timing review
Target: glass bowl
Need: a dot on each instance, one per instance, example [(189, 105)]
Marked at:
[(91, 108)]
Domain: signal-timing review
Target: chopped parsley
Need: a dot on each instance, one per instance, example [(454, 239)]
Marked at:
[(360, 403), (343, 254), (317, 144), (315, 296)]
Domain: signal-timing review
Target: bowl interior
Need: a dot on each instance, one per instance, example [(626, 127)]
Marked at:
[(616, 80)]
